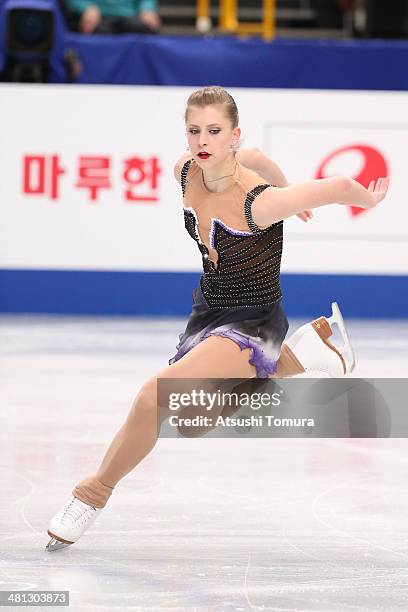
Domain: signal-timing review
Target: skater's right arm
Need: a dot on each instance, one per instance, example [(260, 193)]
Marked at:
[(179, 166), (275, 204)]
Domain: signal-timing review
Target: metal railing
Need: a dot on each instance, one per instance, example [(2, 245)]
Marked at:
[(228, 20)]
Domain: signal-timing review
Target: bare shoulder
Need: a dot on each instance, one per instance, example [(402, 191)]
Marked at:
[(249, 178), (266, 207), (249, 157), (179, 165)]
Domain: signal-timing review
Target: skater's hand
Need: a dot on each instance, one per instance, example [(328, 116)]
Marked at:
[(305, 215), (378, 190)]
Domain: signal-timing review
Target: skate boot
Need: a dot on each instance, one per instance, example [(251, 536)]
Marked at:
[(313, 350), (88, 498), (67, 526)]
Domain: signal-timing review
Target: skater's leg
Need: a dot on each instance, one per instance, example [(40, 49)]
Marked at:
[(215, 357), (309, 348), (287, 364)]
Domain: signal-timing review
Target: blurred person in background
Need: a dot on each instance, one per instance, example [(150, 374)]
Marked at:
[(113, 16)]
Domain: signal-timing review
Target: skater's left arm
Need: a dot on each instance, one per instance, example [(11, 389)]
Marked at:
[(255, 160)]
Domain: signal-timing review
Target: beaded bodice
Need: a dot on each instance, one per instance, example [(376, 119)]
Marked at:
[(247, 269)]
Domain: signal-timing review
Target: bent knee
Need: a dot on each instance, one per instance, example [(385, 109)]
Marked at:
[(145, 403)]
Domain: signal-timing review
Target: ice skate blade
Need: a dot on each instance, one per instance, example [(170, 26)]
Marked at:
[(55, 544), (347, 349)]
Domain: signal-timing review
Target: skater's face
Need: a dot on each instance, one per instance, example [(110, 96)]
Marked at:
[(210, 134)]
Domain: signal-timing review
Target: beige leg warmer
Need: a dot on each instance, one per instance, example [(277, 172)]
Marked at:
[(288, 364), (93, 492)]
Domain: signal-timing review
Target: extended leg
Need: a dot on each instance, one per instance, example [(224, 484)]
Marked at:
[(215, 357), (311, 347)]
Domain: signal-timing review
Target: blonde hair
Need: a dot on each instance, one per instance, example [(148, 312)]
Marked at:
[(214, 95)]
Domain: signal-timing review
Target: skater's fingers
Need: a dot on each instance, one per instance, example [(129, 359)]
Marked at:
[(307, 214), (378, 184), (386, 183), (371, 186)]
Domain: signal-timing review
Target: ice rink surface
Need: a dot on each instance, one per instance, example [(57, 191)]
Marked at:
[(201, 525)]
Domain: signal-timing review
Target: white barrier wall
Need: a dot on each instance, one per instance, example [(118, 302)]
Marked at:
[(87, 176)]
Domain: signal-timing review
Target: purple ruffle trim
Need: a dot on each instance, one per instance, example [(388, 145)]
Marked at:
[(180, 353), (264, 365), (228, 229)]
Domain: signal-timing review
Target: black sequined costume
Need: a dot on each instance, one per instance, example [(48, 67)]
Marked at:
[(240, 297)]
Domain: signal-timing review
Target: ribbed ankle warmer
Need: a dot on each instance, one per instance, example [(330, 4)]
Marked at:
[(93, 492)]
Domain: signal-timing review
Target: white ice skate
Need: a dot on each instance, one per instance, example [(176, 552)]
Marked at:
[(67, 526), (312, 348), (346, 349)]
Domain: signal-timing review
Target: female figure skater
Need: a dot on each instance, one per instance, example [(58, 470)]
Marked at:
[(234, 206)]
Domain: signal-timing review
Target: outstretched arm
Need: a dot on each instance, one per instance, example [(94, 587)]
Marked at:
[(263, 165), (273, 204)]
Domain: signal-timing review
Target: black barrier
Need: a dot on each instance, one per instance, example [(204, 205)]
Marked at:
[(271, 408)]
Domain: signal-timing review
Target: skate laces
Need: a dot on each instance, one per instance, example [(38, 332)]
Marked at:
[(75, 513)]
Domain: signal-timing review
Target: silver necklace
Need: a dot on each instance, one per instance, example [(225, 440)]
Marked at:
[(221, 177)]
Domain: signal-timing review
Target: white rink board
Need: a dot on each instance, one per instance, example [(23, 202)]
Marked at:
[(298, 129)]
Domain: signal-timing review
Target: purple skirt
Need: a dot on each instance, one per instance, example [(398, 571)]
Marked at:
[(262, 329)]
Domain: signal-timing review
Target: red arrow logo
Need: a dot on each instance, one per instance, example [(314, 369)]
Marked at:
[(374, 166)]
